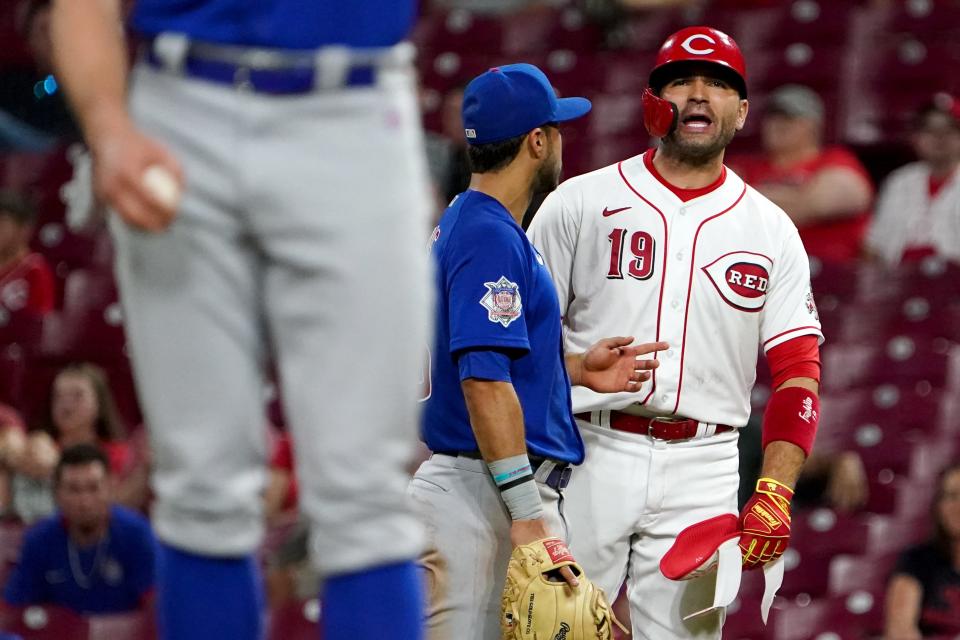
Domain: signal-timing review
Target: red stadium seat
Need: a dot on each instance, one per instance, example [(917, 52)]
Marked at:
[(851, 574), (743, 620), (867, 417), (826, 532), (13, 371), (89, 289), (924, 18), (295, 621), (934, 279), (892, 534), (807, 574), (823, 619), (44, 623), (890, 359)]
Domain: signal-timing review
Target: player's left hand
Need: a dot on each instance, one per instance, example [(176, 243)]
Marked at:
[(765, 523), (613, 364)]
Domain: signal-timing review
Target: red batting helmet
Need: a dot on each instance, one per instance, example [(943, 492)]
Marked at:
[(689, 45)]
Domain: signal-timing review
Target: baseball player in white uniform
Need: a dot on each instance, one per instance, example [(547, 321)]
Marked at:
[(674, 245)]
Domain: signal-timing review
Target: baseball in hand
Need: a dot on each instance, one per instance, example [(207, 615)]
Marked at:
[(162, 185)]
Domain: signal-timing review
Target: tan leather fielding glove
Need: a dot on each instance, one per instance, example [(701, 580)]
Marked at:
[(537, 603)]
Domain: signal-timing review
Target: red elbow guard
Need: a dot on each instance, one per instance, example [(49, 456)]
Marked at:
[(792, 416)]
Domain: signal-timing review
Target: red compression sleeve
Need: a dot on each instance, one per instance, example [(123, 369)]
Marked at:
[(792, 415), (796, 358)]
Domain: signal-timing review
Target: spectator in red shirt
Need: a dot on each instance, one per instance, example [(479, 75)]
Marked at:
[(82, 410), (26, 282), (918, 211), (826, 191)]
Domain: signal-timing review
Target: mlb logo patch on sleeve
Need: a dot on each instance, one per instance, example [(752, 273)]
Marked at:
[(502, 301)]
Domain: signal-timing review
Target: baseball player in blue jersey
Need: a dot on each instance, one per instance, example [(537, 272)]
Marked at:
[(267, 173), (499, 420)]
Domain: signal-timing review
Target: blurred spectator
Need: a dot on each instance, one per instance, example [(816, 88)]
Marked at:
[(837, 480), (31, 478), (923, 597), (26, 282), (447, 151), (826, 191), (289, 575), (13, 442), (81, 409), (36, 115), (918, 211), (280, 497), (91, 557)]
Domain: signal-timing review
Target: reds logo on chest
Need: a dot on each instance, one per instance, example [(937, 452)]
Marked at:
[(741, 278)]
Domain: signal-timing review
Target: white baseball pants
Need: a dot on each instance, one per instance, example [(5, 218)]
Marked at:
[(625, 506)]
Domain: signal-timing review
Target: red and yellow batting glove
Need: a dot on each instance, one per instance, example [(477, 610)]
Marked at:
[(765, 523)]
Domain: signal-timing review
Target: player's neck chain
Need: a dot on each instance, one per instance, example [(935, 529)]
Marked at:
[(85, 580)]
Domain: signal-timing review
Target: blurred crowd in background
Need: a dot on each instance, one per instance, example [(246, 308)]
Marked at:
[(854, 131)]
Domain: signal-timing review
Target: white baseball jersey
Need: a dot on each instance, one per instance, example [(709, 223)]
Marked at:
[(714, 277)]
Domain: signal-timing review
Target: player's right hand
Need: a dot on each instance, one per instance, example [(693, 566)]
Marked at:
[(121, 155), (527, 531)]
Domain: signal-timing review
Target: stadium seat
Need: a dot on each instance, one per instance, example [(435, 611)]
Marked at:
[(89, 289), (44, 623), (295, 621), (890, 359), (932, 278), (17, 327), (13, 370), (807, 573), (827, 532), (868, 573), (892, 534), (917, 316), (924, 18), (744, 623), (825, 619), (867, 417)]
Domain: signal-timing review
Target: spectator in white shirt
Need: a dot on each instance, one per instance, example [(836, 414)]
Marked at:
[(918, 211)]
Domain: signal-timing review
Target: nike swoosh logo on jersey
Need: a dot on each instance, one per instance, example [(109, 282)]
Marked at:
[(610, 212)]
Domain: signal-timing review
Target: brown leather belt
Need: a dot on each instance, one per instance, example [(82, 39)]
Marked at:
[(660, 428)]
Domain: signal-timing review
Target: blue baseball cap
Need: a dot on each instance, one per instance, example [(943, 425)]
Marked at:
[(511, 100)]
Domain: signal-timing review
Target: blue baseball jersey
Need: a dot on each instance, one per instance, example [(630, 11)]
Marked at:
[(112, 577), (494, 293), (282, 24)]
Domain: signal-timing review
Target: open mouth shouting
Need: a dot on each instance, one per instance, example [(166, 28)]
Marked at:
[(696, 123)]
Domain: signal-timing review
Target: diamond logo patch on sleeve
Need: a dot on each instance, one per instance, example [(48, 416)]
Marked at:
[(502, 301)]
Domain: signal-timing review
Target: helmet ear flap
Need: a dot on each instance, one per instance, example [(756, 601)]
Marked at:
[(660, 116)]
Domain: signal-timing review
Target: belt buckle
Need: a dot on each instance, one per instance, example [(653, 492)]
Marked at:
[(665, 420)]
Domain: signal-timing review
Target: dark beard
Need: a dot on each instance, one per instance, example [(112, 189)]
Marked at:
[(545, 180), (696, 155)]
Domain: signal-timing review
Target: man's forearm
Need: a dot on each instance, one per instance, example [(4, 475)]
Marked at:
[(496, 418), (783, 460), (90, 57)]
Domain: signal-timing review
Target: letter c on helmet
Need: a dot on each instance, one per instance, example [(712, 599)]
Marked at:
[(688, 44)]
